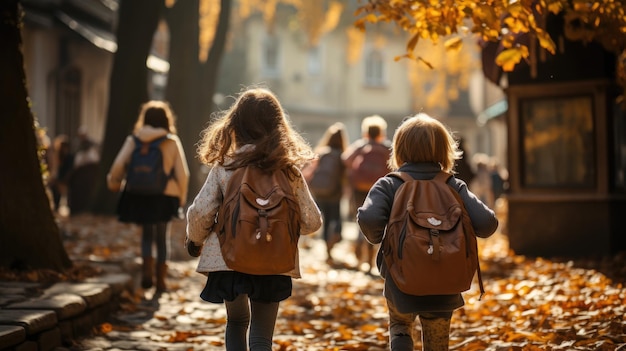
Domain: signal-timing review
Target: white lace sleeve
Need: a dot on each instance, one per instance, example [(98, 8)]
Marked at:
[(310, 215), (201, 213)]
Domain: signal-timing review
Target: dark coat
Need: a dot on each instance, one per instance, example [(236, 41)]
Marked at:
[(372, 218)]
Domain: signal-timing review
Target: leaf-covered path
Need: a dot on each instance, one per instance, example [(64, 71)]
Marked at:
[(530, 304)]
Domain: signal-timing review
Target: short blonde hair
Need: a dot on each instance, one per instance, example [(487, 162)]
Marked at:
[(373, 126), (422, 138)]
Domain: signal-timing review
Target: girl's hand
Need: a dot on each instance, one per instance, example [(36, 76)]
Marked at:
[(193, 249)]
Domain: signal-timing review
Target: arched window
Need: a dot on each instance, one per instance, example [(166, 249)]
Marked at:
[(68, 101), (270, 64), (374, 69), (314, 61)]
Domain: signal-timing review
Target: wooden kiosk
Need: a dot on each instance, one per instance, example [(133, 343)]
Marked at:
[(567, 154)]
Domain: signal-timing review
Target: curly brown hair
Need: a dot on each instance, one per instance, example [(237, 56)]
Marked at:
[(255, 118)]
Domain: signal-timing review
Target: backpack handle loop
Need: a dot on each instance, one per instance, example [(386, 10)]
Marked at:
[(263, 223), (435, 245)]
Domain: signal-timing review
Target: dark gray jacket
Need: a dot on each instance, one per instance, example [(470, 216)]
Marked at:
[(372, 218)]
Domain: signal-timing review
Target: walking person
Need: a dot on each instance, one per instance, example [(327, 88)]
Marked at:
[(326, 179), (153, 209), (61, 165), (482, 184), (83, 174), (422, 147), (463, 167), (366, 161), (253, 131)]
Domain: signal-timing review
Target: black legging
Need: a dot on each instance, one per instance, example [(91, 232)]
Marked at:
[(331, 212), (260, 316), (155, 233)]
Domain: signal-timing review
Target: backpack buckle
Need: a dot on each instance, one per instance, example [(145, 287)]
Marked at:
[(434, 245)]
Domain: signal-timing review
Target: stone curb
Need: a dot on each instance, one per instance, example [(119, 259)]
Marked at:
[(34, 318)]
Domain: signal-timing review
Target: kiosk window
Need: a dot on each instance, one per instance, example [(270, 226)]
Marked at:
[(558, 142)]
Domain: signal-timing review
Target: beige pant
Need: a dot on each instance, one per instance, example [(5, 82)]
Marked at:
[(435, 330)]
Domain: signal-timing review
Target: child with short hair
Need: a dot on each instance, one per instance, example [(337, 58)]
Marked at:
[(253, 131), (422, 146), (372, 153)]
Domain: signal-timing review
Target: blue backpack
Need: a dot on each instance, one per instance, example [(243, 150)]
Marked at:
[(145, 174)]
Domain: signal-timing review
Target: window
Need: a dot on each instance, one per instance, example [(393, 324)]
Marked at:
[(314, 62), (374, 69), (557, 141), (270, 57), (68, 101)]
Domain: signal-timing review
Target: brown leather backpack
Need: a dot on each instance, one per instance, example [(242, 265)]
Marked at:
[(258, 224), (430, 246)]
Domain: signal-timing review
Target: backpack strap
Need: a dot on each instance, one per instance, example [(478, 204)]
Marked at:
[(405, 177), (442, 176), (156, 141)]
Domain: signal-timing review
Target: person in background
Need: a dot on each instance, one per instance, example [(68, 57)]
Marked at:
[(422, 147), (254, 130), (326, 177), (500, 184), (463, 167), (482, 184), (60, 169), (153, 212), (87, 151), (84, 173), (499, 178), (366, 161)]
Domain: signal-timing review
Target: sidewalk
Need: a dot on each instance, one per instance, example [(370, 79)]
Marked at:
[(35, 317), (39, 316), (530, 303)]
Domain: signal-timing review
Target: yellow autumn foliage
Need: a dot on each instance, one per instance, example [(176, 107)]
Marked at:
[(496, 20)]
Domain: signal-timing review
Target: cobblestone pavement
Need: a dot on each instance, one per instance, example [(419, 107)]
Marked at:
[(179, 320), (530, 303)]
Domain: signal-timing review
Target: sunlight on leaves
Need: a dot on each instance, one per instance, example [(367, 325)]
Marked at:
[(603, 21), (106, 328), (510, 57), (453, 43)]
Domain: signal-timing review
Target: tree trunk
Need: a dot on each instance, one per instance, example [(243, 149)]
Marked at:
[(183, 82), (192, 84), (29, 235), (128, 89), (216, 53)]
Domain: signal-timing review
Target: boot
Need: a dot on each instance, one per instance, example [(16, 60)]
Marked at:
[(402, 342), (146, 272), (330, 244), (161, 272), (435, 334)]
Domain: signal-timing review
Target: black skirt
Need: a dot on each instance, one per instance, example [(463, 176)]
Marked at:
[(140, 209), (227, 285)]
